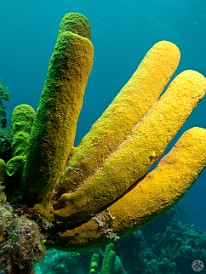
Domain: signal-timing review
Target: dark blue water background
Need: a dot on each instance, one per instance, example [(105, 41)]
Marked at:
[(122, 32)]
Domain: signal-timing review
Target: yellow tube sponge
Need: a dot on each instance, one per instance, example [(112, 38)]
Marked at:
[(151, 196), (138, 152), (54, 128), (126, 110), (165, 185)]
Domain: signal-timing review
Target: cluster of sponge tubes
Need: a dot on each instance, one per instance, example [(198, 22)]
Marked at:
[(100, 190)]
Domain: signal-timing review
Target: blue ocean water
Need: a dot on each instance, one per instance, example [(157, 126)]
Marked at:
[(122, 32)]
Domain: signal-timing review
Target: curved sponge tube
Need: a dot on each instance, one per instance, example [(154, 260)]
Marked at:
[(165, 185), (154, 194), (139, 151)]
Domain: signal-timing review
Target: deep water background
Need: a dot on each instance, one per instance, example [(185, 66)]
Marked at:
[(122, 32)]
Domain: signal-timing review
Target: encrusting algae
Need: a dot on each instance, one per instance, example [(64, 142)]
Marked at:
[(101, 190)]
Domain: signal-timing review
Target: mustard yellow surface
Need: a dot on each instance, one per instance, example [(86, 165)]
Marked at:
[(151, 196), (119, 119), (99, 191), (137, 153)]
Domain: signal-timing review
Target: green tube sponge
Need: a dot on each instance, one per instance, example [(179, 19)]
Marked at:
[(2, 170), (21, 122), (54, 129), (109, 259), (94, 264), (76, 23)]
